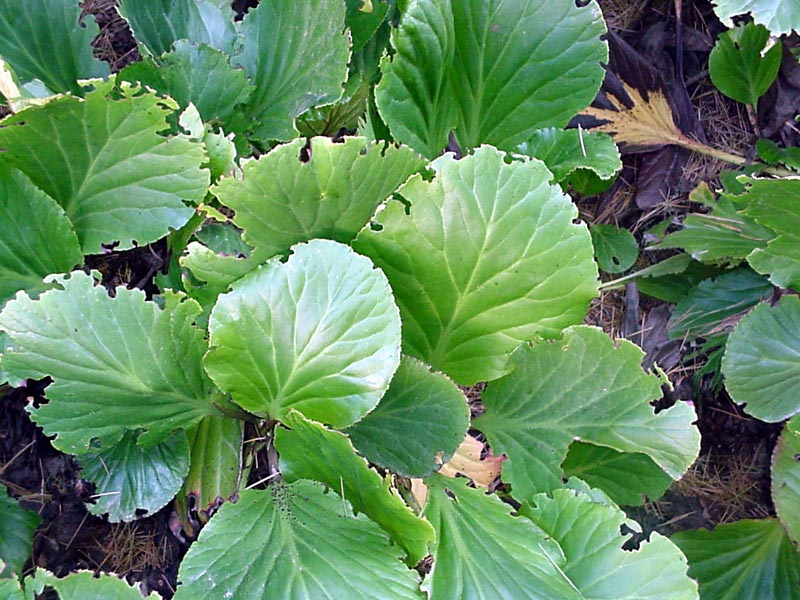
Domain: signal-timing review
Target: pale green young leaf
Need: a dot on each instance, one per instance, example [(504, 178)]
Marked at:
[(282, 200), (157, 24), (130, 478), (319, 333), (296, 54), (44, 40), (762, 361), (482, 551), (743, 64), (786, 478), (10, 588), (367, 492), (420, 401), (779, 16), (583, 387), (85, 585), (17, 526), (746, 559), (589, 535), (535, 66), (293, 541), (31, 249), (103, 160), (118, 364), (487, 255)]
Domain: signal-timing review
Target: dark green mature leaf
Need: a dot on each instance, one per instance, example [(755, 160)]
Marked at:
[(158, 23), (293, 541), (296, 54), (486, 256), (762, 361), (583, 387), (481, 551), (779, 16), (786, 478), (537, 64), (103, 160), (16, 534), (367, 492), (319, 333), (589, 535), (364, 18), (629, 479), (743, 560), (195, 73), (743, 63), (31, 248), (130, 478), (118, 364), (420, 401), (282, 200), (614, 248), (43, 40)]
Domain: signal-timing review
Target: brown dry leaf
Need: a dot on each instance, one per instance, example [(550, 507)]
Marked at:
[(467, 461)]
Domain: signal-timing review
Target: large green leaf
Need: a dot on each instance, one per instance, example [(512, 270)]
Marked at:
[(487, 255), (746, 560), (481, 551), (779, 16), (762, 361), (391, 435), (775, 203), (493, 71), (104, 162), (43, 40), (85, 585), (319, 333), (596, 564), (367, 492), (786, 478), (31, 248), (584, 387), (130, 478), (295, 542), (117, 364), (296, 54), (282, 200), (742, 65), (158, 23), (16, 534)]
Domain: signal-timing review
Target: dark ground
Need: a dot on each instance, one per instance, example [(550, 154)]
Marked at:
[(730, 481)]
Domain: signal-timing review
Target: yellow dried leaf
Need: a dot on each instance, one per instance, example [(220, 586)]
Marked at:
[(467, 461)]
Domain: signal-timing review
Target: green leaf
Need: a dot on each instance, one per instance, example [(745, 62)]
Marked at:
[(293, 542), (158, 23), (416, 395), (367, 492), (779, 16), (9, 588), (486, 256), (130, 478), (742, 560), (589, 535), (319, 333), (31, 249), (85, 585), (775, 203), (482, 551), (762, 361), (296, 54), (195, 73), (743, 63), (103, 160), (786, 478), (630, 479), (17, 526), (585, 387), (535, 65), (364, 18), (566, 151), (118, 364), (615, 248), (43, 40), (281, 200), (710, 306)]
